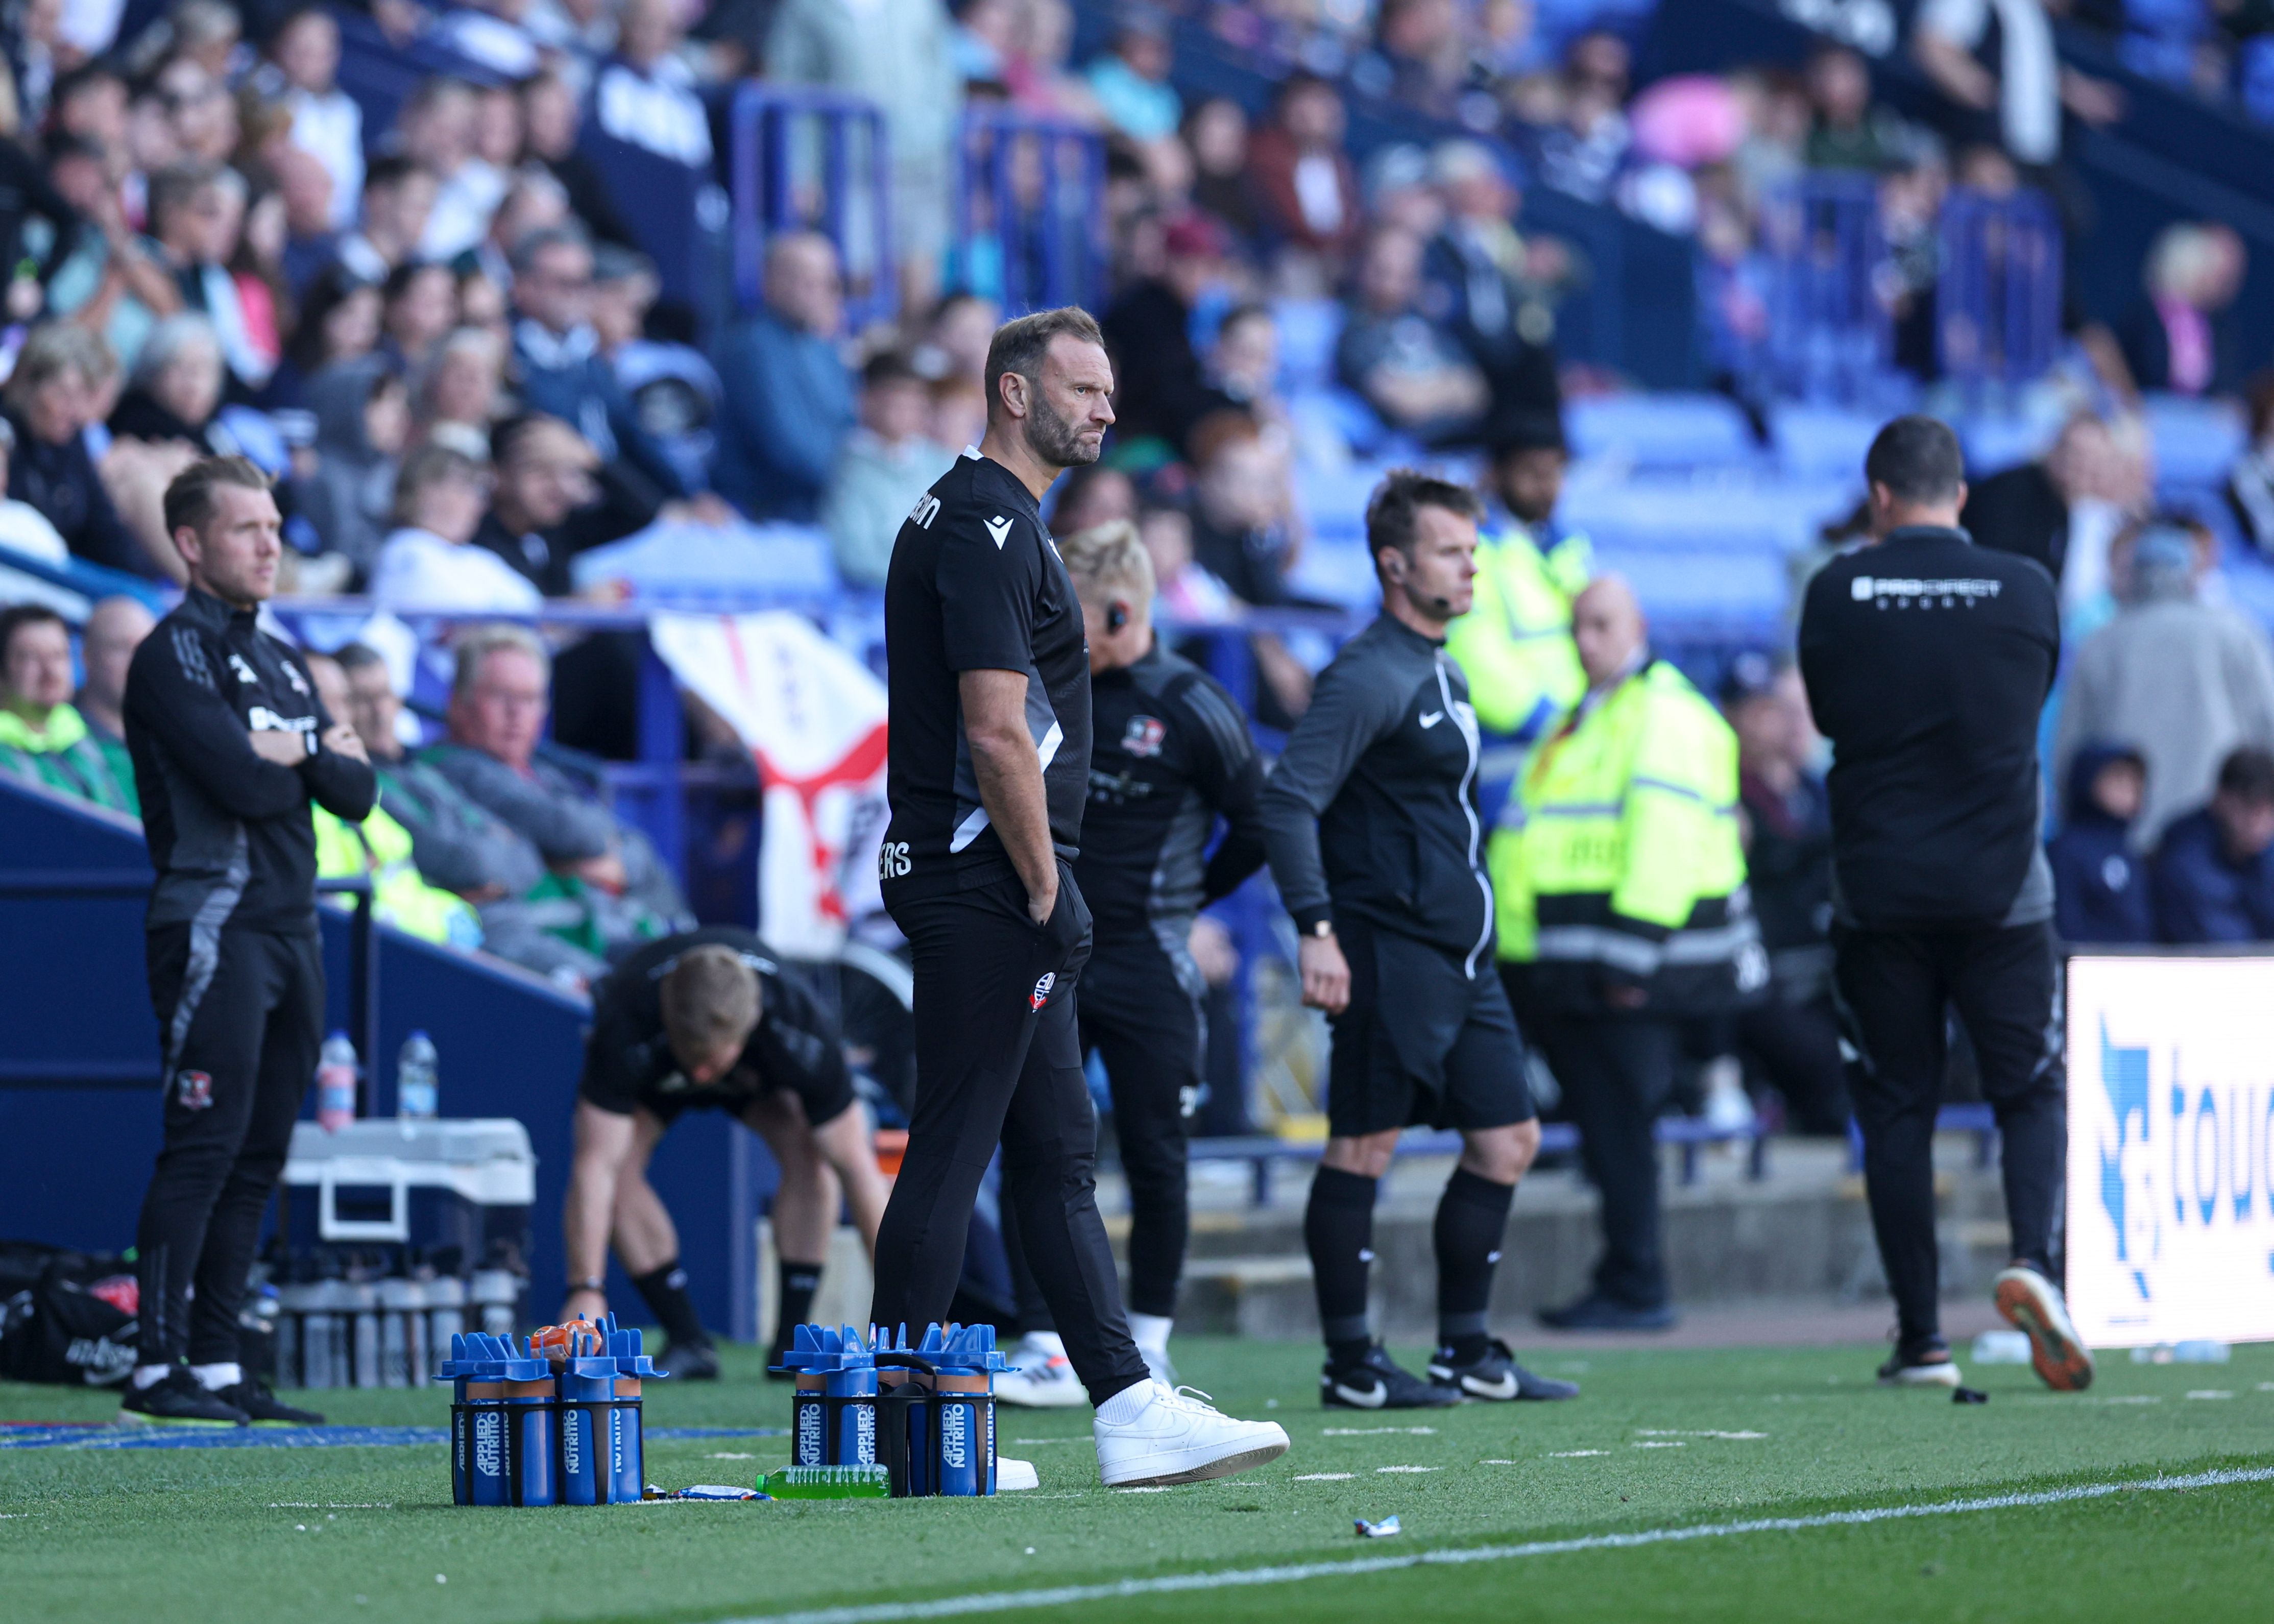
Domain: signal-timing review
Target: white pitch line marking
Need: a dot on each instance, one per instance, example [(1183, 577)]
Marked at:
[(2211, 1393), (1667, 1432), (1659, 1443), (1377, 1432), (1573, 1455), (1325, 1477), (1408, 1469), (1068, 1595), (730, 1456)]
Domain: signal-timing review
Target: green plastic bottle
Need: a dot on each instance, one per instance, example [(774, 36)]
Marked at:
[(827, 1483)]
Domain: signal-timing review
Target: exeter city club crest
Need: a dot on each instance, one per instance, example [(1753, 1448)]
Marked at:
[(1144, 735), (194, 1090), (1041, 993)]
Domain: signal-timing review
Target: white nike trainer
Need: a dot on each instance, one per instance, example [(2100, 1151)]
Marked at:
[(1042, 1378), (1177, 1438)]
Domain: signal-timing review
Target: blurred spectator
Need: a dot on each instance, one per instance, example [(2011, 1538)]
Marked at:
[(1849, 132), (115, 629), (1091, 496), (498, 704), (1481, 277), (1995, 59), (338, 323), (1515, 644), (490, 33), (1243, 531), (2028, 508), (2179, 338), (363, 423), (788, 393), (311, 240), (955, 339), (1305, 189), (24, 529), (1583, 154), (42, 738), (557, 354), (26, 193), (418, 304), (2250, 482), (1159, 392), (899, 55), (1791, 1039), (534, 202), (2214, 872), (462, 388), (327, 124), (462, 847), (439, 498), (644, 95), (438, 127), (90, 105), (398, 199), (959, 414), (885, 468), (175, 388), (2100, 886), (554, 501), (1411, 370), (1215, 135), (48, 401), (200, 111), (1422, 61), (1130, 80), (109, 281), (550, 118), (1187, 590), (196, 215), (380, 849), (2188, 681)]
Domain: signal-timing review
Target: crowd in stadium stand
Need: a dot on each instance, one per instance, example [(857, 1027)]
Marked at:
[(451, 343)]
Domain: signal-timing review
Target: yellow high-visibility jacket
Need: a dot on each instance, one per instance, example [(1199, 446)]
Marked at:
[(380, 847), (1618, 862), (1514, 645)]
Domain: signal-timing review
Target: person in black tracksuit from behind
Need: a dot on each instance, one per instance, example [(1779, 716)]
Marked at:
[(1171, 753), (1375, 840), (230, 745), (1928, 660)]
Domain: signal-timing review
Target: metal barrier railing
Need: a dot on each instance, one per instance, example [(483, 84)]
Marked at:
[(1829, 336), (1997, 306), (118, 884), (1030, 222), (812, 160)]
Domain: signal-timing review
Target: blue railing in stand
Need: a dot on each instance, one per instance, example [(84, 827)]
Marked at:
[(1997, 308), (801, 160), (1829, 336), (1030, 226)]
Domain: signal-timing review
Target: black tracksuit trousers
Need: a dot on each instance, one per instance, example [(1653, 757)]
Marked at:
[(240, 1020), (999, 1060), (1894, 989)]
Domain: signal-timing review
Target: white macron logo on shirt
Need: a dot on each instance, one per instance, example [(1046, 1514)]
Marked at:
[(1000, 528)]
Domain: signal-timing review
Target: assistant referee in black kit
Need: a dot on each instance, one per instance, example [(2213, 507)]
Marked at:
[(230, 744), (989, 765), (1928, 661)]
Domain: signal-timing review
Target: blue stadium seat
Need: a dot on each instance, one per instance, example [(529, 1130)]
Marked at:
[(1661, 431), (1309, 329), (1996, 443), (2196, 441), (1821, 442), (1770, 518)]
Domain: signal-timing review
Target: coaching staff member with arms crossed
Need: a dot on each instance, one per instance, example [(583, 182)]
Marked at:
[(1928, 660), (1171, 752), (988, 766), (1374, 837), (707, 1019), (230, 745)]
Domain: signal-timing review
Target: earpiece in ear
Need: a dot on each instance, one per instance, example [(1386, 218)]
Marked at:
[(1116, 616)]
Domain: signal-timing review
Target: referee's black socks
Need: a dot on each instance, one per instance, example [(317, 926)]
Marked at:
[(1472, 1218), (797, 1282), (1338, 1231), (664, 1290)]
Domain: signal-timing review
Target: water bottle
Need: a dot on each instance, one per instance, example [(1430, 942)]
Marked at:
[(335, 1083), (415, 1078)]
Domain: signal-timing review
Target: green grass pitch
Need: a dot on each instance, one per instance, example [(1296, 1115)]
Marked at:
[(1662, 1440)]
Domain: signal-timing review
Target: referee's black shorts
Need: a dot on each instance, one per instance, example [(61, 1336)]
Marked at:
[(1422, 1042)]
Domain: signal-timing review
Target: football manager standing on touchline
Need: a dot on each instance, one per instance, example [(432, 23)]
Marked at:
[(989, 768), (1928, 660), (230, 745)]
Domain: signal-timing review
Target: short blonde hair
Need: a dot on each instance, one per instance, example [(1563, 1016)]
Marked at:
[(497, 638), (710, 999), (1107, 557)]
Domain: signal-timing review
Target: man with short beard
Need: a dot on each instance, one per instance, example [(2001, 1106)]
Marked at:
[(989, 772)]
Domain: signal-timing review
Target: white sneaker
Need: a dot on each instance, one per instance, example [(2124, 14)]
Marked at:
[(1177, 1439), (1044, 1379), (1013, 1476)]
